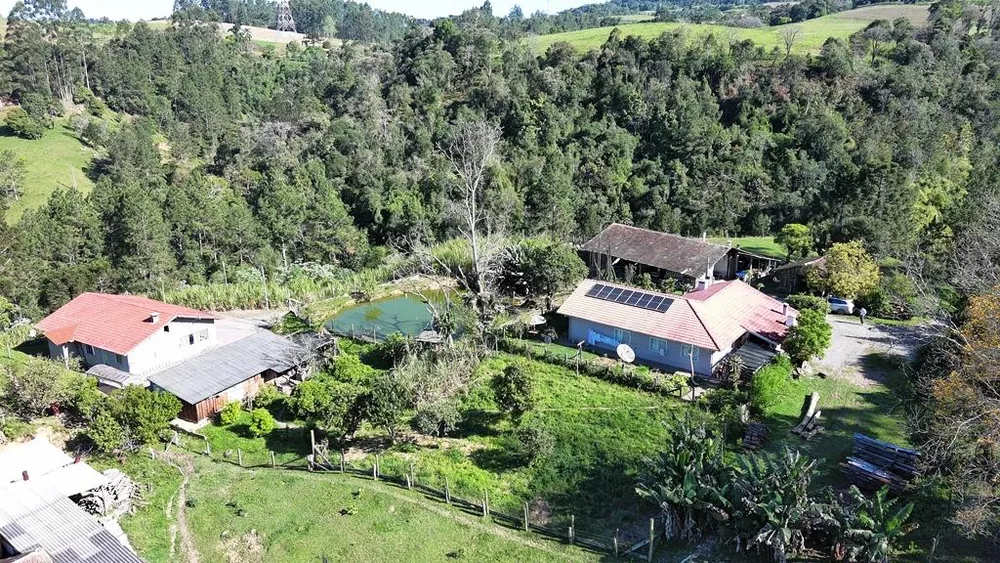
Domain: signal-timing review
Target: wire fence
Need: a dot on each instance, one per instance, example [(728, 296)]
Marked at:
[(407, 475)]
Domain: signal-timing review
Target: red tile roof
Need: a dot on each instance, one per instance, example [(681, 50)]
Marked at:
[(117, 323), (713, 318)]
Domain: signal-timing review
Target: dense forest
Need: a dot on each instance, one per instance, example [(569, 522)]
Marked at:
[(220, 160)]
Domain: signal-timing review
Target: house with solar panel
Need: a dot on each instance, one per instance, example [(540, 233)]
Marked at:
[(202, 359), (692, 333)]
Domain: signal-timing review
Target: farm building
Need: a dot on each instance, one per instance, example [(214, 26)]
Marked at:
[(664, 255), (233, 372), (791, 277), (202, 359), (39, 520), (693, 333)]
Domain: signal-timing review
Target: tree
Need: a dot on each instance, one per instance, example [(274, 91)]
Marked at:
[(548, 266), (385, 403), (513, 390), (797, 240), (131, 417), (231, 413), (869, 528), (788, 36), (12, 170), (28, 388), (331, 405), (847, 271), (24, 125), (809, 338)]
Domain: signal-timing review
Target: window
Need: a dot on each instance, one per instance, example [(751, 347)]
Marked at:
[(191, 338), (690, 351), (658, 346), (166, 328), (202, 335), (623, 336), (88, 349), (118, 358)]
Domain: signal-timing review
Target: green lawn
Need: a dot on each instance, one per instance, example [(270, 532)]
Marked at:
[(57, 160), (812, 33), (765, 246), (846, 408)]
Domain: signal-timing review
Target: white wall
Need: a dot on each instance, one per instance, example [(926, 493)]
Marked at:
[(169, 347)]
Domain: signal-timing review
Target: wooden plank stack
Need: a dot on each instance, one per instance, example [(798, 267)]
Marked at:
[(875, 463), (755, 435), (114, 499)]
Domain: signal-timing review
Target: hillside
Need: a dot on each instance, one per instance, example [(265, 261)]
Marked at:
[(812, 32), (57, 160)]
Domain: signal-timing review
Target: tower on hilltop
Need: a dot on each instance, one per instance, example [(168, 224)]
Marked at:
[(285, 20)]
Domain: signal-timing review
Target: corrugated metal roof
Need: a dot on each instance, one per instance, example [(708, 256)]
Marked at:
[(37, 457), (681, 255), (712, 318), (216, 370), (35, 516), (754, 356)]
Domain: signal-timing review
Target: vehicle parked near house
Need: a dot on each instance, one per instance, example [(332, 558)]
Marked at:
[(841, 306)]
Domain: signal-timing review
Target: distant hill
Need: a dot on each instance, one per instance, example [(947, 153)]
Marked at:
[(811, 37)]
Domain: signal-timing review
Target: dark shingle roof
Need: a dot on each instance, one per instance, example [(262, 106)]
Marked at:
[(36, 517), (216, 370), (681, 255)]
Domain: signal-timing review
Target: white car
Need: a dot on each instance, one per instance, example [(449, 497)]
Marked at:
[(841, 306)]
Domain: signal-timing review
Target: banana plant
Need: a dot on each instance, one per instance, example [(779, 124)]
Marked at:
[(870, 528)]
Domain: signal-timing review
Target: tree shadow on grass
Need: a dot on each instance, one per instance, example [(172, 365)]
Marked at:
[(477, 423), (497, 460)]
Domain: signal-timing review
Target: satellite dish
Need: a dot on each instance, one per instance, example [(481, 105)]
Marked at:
[(536, 320), (626, 353)]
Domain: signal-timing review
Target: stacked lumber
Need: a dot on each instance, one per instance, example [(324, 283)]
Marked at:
[(875, 463), (755, 435), (114, 499)]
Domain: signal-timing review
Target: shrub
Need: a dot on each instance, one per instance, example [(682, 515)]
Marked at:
[(534, 442), (513, 390), (269, 398), (438, 419), (28, 389), (131, 417), (809, 338), (390, 351), (261, 422), (230, 414), (23, 125), (769, 384), (349, 368), (803, 302)]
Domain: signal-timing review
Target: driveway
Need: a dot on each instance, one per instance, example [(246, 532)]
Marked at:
[(863, 353)]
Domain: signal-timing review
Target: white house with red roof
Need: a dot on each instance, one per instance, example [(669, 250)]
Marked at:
[(129, 333), (691, 333)]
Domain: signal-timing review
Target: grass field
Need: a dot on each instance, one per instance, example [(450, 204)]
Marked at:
[(812, 33), (57, 160), (765, 246)]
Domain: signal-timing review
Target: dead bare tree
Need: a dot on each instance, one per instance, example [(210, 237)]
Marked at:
[(789, 35), (471, 150)]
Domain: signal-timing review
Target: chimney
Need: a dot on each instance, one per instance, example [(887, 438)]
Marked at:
[(154, 317), (702, 283), (790, 321), (784, 309)]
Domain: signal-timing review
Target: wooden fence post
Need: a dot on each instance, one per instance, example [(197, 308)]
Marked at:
[(312, 441), (652, 526), (615, 542), (239, 456), (208, 447), (484, 504), (152, 454), (409, 480), (572, 528), (447, 492), (342, 455), (525, 516), (272, 460), (375, 468)]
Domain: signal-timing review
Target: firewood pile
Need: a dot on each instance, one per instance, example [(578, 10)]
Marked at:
[(755, 435), (875, 463), (119, 496)]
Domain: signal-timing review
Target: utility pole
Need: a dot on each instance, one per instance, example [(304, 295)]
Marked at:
[(285, 20)]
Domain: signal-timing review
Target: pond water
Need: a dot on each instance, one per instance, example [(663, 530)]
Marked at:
[(407, 314)]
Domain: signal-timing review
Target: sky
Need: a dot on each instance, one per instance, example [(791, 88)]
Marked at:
[(148, 9)]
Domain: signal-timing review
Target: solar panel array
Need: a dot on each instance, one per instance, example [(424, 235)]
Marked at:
[(631, 297)]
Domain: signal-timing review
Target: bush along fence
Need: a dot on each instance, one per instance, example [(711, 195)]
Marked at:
[(641, 378), (407, 475)]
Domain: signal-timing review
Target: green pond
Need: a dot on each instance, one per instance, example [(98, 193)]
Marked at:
[(407, 314)]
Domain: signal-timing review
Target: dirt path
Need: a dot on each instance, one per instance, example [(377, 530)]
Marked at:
[(183, 464), (462, 518)]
